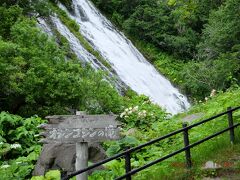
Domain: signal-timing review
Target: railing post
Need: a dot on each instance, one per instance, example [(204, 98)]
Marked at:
[(186, 143), (230, 124), (128, 164)]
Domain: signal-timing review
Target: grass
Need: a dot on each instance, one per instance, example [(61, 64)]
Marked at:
[(224, 156), (218, 150)]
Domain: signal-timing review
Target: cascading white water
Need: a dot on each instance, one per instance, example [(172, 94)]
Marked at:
[(129, 64), (74, 43), (44, 26), (78, 49)]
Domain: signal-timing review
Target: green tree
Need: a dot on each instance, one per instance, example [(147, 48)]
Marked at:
[(30, 7), (221, 34), (8, 16), (200, 78)]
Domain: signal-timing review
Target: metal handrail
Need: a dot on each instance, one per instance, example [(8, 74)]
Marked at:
[(186, 148), (134, 171)]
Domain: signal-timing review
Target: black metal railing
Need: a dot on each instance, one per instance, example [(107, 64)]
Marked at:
[(187, 146)]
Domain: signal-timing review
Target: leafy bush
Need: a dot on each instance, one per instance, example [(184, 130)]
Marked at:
[(140, 112), (19, 147)]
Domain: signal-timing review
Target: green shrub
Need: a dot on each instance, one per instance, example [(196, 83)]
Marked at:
[(19, 147)]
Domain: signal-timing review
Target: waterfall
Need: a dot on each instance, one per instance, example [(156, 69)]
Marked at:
[(129, 64), (44, 26), (75, 44), (78, 49)]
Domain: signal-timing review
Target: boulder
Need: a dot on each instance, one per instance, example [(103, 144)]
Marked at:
[(62, 157), (211, 165), (192, 117)]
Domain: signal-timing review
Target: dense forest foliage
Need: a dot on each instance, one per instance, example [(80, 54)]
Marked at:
[(196, 44)]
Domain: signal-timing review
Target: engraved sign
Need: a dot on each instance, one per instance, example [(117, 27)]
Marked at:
[(80, 128)]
